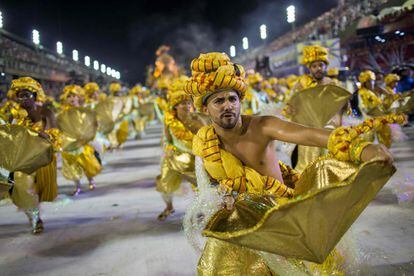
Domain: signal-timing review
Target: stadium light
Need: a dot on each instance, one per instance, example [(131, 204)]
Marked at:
[(59, 47), (108, 71), (291, 14), (87, 61), (232, 51), (113, 73), (75, 55), (36, 37), (96, 65), (245, 43), (103, 68), (118, 75), (1, 20), (263, 31)]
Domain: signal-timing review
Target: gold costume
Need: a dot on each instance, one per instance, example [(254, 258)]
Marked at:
[(40, 186), (79, 127), (258, 223), (373, 106), (178, 161)]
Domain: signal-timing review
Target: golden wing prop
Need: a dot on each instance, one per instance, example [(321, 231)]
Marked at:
[(107, 113), (317, 105), (332, 196), (128, 105), (146, 109), (408, 103), (22, 150), (78, 125)]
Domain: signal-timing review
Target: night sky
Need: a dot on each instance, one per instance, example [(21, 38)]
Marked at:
[(126, 34)]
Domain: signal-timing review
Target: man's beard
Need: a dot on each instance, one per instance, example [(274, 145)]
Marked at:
[(318, 75), (228, 122)]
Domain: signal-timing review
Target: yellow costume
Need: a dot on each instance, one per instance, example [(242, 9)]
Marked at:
[(372, 106), (312, 53), (178, 162), (40, 186), (120, 133), (78, 159)]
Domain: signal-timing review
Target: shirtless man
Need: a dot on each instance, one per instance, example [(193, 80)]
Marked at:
[(238, 153), (251, 138)]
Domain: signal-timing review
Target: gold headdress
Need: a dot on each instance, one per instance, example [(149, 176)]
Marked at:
[(254, 78), (71, 89), (391, 78), (114, 88), (214, 72), (26, 83), (365, 76), (176, 93), (313, 53), (91, 87)]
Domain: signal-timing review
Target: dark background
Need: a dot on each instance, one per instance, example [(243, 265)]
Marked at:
[(125, 34)]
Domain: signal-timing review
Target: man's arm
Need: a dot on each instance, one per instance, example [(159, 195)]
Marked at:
[(50, 118), (277, 129)]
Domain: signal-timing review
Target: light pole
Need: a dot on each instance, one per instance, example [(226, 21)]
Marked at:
[(36, 37), (291, 16), (59, 48), (87, 61), (245, 43), (75, 55), (232, 51), (1, 20)]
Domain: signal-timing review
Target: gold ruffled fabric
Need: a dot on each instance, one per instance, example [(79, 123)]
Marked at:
[(78, 126), (330, 196)]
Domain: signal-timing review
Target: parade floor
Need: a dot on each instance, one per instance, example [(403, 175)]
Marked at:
[(114, 231)]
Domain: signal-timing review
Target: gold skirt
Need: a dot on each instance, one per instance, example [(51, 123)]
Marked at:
[(122, 132), (46, 182), (226, 259), (306, 155), (175, 167)]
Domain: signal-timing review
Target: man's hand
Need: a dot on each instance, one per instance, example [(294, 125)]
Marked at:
[(228, 202), (378, 153)]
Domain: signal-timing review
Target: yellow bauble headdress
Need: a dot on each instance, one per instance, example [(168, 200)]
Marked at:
[(365, 76), (26, 83), (137, 89), (273, 81), (91, 87), (253, 79), (212, 73), (313, 53), (391, 78), (291, 80), (115, 87), (176, 93), (71, 89)]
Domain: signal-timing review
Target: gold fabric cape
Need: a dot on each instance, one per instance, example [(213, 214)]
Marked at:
[(78, 125), (23, 150), (315, 106), (107, 113), (331, 196)]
